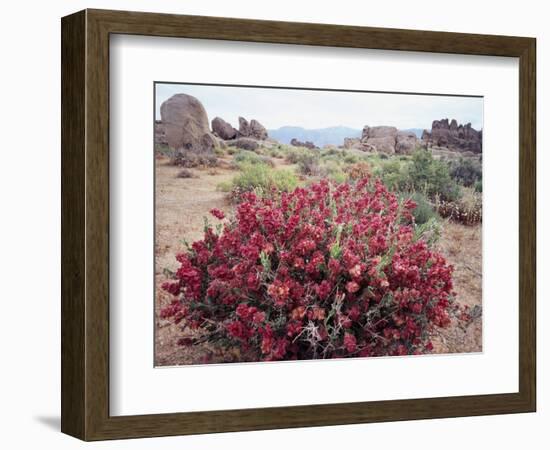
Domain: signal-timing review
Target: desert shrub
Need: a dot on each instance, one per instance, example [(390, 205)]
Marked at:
[(331, 152), (232, 150), (260, 179), (163, 149), (338, 176), (424, 211), (308, 164), (478, 186), (392, 175), (189, 159), (327, 271), (275, 153), (350, 158), (466, 171), (246, 157), (358, 170), (219, 151), (332, 170), (186, 173), (466, 210), (296, 154), (383, 156), (225, 186), (431, 177)]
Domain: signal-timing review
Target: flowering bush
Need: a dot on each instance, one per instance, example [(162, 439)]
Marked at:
[(327, 271)]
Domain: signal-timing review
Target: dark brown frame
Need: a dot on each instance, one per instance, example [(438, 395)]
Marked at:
[(85, 224)]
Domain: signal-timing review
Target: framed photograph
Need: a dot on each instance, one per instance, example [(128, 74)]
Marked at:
[(273, 225)]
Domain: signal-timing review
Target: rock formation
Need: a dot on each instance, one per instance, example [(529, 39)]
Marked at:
[(353, 143), (186, 124), (254, 129), (455, 137), (383, 139), (223, 129), (257, 130), (405, 142), (308, 144), (160, 133)]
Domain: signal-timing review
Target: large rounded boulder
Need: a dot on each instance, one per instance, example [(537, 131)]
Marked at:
[(223, 129), (186, 124)]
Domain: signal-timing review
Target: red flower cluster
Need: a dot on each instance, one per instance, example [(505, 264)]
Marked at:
[(323, 272)]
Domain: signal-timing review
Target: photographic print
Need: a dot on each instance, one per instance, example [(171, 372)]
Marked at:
[(308, 224)]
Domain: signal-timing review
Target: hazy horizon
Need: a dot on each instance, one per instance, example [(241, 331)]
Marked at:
[(315, 109)]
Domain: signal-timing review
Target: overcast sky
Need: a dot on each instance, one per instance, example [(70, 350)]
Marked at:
[(275, 108)]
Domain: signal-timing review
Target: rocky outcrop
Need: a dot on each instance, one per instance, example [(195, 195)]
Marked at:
[(222, 129), (254, 129), (307, 144), (405, 142), (382, 139), (160, 133), (186, 124), (354, 143), (257, 130), (455, 137), (244, 127)]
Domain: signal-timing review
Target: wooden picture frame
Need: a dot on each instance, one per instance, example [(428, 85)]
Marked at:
[(85, 224)]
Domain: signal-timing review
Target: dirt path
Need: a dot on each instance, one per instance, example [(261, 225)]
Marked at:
[(181, 204)]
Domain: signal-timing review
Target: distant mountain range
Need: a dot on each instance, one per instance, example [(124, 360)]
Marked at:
[(322, 136)]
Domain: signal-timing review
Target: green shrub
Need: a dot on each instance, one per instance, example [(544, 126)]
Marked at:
[(276, 153), (424, 210), (163, 149), (338, 176), (260, 179), (392, 174), (431, 177), (478, 186), (466, 171), (296, 154), (330, 152), (350, 158), (246, 157)]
